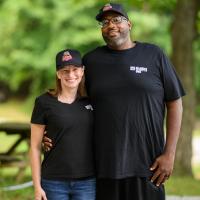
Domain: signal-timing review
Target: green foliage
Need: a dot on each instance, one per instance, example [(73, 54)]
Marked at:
[(32, 32), (146, 27)]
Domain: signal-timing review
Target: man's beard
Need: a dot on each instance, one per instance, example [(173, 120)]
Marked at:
[(118, 41)]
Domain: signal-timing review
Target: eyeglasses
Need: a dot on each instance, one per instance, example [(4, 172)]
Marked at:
[(115, 20)]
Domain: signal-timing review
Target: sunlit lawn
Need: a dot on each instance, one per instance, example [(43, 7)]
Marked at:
[(13, 111), (183, 186), (197, 133)]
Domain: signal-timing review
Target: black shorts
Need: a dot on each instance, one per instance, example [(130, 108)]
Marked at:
[(134, 188)]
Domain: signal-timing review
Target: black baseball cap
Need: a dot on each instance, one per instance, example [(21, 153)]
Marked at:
[(114, 7), (68, 57)]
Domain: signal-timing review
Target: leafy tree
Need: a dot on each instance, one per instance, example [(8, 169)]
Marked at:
[(33, 31)]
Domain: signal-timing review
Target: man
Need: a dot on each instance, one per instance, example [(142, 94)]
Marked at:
[(130, 85)]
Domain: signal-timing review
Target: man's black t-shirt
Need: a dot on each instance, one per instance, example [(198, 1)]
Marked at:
[(128, 90), (70, 126)]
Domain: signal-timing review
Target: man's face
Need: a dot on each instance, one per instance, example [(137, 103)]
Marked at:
[(115, 32)]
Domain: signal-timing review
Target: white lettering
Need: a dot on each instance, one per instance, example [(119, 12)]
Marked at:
[(138, 69), (89, 107)]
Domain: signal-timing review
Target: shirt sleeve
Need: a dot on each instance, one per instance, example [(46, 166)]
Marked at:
[(173, 88), (38, 114)]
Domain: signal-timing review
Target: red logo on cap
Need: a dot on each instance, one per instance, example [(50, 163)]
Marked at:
[(107, 7), (66, 56)]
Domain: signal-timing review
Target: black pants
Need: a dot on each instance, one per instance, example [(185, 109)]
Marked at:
[(134, 188)]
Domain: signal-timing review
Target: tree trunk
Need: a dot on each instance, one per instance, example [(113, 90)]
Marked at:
[(183, 36)]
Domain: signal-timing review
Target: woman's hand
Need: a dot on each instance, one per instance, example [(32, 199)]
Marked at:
[(40, 194)]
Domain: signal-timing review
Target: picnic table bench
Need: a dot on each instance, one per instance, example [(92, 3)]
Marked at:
[(10, 157)]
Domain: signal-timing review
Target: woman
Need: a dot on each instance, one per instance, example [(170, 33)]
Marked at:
[(67, 170)]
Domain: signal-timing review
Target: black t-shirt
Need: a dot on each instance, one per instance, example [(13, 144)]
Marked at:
[(70, 126), (128, 90)]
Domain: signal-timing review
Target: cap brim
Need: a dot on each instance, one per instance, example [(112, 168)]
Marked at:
[(100, 15), (67, 64)]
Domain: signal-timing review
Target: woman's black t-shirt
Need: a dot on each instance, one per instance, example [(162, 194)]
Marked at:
[(70, 126)]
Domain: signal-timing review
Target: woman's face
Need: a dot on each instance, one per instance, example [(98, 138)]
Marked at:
[(70, 76)]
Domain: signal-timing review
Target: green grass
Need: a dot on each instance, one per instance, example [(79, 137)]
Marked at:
[(196, 133), (14, 110), (196, 171), (183, 186), (23, 194), (8, 141)]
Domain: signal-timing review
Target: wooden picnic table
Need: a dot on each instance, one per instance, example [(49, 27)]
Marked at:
[(20, 129), (10, 157)]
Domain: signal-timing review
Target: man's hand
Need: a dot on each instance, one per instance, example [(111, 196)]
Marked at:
[(162, 168), (46, 143)]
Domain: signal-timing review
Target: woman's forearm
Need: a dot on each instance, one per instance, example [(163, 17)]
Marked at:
[(35, 153), (36, 167)]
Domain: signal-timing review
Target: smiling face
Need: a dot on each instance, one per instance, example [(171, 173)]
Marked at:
[(70, 76), (115, 34)]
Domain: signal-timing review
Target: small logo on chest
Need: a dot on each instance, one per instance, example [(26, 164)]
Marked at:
[(137, 69), (89, 107)]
